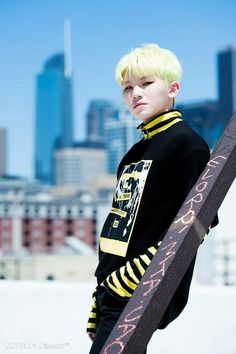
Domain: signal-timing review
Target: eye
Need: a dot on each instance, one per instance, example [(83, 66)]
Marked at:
[(127, 88), (147, 83)]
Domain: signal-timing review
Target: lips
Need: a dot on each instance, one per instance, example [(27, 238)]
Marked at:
[(138, 104)]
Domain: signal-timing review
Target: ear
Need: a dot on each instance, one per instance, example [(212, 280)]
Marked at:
[(173, 89)]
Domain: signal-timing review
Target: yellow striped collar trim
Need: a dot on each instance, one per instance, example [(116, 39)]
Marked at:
[(161, 129), (160, 119)]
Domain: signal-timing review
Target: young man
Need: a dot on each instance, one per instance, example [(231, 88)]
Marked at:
[(153, 180)]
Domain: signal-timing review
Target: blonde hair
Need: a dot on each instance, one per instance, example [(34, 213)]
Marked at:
[(149, 60)]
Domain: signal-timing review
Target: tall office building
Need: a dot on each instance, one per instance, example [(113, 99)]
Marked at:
[(54, 117), (3, 152), (79, 166), (227, 82), (121, 134), (99, 112)]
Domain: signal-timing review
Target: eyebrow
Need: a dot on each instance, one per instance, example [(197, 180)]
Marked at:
[(141, 78)]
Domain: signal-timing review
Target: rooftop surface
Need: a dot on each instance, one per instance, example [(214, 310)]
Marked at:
[(40, 315)]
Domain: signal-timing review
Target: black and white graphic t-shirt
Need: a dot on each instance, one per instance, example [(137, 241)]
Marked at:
[(117, 230)]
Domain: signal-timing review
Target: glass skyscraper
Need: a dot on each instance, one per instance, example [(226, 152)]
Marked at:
[(227, 82), (99, 112), (54, 118)]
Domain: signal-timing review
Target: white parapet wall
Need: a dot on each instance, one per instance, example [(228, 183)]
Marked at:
[(40, 316)]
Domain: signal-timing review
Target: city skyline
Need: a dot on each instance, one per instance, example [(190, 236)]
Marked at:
[(195, 32)]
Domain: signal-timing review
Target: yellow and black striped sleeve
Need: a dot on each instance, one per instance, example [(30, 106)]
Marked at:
[(122, 282), (92, 320)]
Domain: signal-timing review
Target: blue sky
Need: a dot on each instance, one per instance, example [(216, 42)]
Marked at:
[(102, 31)]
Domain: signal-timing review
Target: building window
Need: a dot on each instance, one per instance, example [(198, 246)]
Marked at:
[(36, 211), (69, 232)]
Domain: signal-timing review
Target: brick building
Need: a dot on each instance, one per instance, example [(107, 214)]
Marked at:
[(45, 227)]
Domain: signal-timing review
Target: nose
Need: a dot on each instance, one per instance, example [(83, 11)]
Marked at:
[(135, 97), (136, 94)]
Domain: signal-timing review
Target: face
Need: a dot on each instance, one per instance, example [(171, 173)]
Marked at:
[(148, 96)]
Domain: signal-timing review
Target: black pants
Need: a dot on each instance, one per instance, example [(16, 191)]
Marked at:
[(109, 310)]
